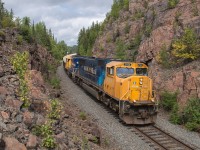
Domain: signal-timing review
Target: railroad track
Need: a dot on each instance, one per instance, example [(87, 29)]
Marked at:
[(159, 139)]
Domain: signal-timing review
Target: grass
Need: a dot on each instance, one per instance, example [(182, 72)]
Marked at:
[(82, 115), (55, 82)]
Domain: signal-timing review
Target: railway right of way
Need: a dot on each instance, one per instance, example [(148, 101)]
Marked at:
[(108, 120)]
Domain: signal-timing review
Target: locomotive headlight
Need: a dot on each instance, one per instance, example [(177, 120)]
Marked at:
[(141, 81)]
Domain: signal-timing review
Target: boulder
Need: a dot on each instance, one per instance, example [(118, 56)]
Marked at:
[(3, 90), (14, 103), (5, 115), (32, 142), (28, 118), (13, 144)]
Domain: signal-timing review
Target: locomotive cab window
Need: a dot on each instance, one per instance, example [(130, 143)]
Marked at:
[(110, 71), (141, 71), (125, 72)]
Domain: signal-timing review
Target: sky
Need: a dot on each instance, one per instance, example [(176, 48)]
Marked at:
[(64, 17)]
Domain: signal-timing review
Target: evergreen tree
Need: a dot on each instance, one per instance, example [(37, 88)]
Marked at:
[(87, 37), (37, 33)]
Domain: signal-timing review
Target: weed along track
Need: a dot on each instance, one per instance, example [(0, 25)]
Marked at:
[(159, 139)]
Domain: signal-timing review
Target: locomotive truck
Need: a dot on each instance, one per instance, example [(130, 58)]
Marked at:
[(122, 85)]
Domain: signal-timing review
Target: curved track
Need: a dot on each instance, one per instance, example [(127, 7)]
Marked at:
[(160, 140)]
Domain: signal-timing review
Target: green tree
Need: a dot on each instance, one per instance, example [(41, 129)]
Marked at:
[(6, 17), (2, 11), (120, 49), (25, 29), (87, 37), (187, 47)]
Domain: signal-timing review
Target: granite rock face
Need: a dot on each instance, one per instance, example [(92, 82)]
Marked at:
[(17, 122)]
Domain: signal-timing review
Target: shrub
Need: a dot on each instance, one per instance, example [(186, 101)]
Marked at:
[(168, 100), (55, 82), (2, 34), (106, 142), (95, 140), (55, 109), (20, 65), (45, 131), (85, 144), (120, 49), (49, 142), (127, 28), (26, 33), (163, 57), (7, 22), (108, 39), (187, 47), (116, 34), (19, 39), (126, 5), (175, 118), (51, 68), (138, 14), (136, 41), (172, 3), (192, 114), (101, 48), (154, 13), (177, 21), (148, 30), (192, 126)]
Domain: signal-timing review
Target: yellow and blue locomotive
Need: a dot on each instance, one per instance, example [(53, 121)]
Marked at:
[(123, 86)]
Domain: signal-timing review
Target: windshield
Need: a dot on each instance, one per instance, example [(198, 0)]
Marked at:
[(141, 71), (125, 72)]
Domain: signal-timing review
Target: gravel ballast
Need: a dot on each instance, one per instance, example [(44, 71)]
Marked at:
[(109, 121), (178, 132)]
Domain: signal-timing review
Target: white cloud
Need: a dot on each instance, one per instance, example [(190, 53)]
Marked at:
[(64, 17)]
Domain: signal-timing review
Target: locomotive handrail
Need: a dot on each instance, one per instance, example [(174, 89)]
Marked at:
[(126, 92)]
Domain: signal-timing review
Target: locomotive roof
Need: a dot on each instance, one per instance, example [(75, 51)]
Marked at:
[(70, 55), (64, 58), (126, 63)]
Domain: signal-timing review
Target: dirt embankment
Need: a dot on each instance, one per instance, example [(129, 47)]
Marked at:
[(73, 130)]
